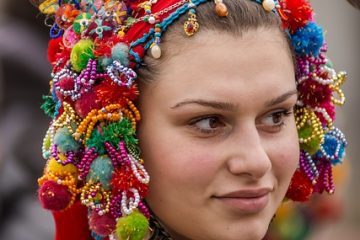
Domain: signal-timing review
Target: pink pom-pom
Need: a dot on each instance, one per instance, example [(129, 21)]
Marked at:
[(53, 196), (102, 225)]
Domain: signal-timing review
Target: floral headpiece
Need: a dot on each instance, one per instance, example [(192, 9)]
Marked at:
[(91, 148)]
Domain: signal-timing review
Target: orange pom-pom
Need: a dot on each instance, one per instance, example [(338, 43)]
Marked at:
[(108, 92)]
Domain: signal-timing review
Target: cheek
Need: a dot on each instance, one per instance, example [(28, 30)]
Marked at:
[(180, 166), (285, 158)]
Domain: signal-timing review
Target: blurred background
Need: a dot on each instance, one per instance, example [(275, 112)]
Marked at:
[(24, 77)]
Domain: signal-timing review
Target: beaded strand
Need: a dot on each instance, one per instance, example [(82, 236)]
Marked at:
[(304, 115), (110, 113)]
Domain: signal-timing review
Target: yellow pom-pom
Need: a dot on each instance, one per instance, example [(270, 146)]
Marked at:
[(55, 167)]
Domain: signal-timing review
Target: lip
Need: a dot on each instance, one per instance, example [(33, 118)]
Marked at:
[(247, 201)]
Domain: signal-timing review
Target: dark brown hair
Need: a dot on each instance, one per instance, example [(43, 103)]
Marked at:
[(244, 15), (355, 3)]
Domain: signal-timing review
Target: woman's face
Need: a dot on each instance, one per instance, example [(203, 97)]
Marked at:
[(218, 135)]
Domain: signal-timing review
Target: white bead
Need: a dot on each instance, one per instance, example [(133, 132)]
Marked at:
[(268, 5), (156, 51), (152, 20)]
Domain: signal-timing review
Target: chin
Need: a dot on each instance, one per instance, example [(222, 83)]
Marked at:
[(256, 232), (247, 229)]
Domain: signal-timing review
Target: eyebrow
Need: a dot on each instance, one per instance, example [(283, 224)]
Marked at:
[(228, 106), (213, 104), (281, 98)]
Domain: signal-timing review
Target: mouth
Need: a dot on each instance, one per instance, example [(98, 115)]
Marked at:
[(246, 201)]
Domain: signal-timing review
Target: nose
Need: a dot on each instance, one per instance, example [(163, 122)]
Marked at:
[(247, 155)]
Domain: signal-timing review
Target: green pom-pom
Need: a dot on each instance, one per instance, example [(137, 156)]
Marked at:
[(120, 130), (81, 53), (120, 52), (312, 146), (112, 134), (101, 170), (132, 227), (49, 106), (96, 141), (65, 141)]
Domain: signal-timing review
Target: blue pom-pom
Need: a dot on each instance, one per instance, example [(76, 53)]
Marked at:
[(333, 148), (105, 61), (120, 52), (65, 141), (101, 170), (308, 40)]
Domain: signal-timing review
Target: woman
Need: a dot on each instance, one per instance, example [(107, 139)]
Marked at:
[(219, 87)]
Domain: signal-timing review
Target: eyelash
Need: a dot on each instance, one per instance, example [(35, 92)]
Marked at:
[(193, 123), (276, 127), (284, 114)]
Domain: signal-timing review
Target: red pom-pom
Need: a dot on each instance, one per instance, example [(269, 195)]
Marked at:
[(123, 179), (329, 108), (66, 84), (108, 92), (295, 13), (54, 48), (102, 225), (300, 188), (57, 51), (103, 46), (86, 103), (314, 94), (54, 196)]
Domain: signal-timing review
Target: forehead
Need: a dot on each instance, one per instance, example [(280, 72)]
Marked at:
[(221, 66)]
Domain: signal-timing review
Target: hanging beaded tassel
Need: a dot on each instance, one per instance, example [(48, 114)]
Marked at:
[(191, 26)]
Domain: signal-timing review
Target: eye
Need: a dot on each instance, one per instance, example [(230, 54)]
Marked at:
[(208, 124), (275, 120)]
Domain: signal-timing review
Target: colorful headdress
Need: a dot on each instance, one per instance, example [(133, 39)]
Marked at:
[(91, 148)]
